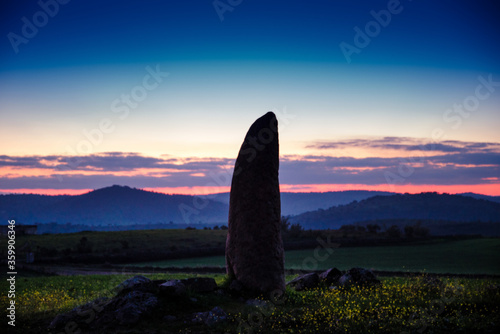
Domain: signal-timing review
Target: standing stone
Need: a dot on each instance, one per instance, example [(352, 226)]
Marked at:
[(254, 248)]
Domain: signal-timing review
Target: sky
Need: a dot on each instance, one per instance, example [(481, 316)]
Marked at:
[(399, 96)]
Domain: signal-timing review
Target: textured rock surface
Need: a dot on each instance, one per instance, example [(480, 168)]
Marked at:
[(304, 282), (210, 318), (331, 276), (200, 284), (358, 276), (137, 283), (135, 300), (172, 287), (254, 248)]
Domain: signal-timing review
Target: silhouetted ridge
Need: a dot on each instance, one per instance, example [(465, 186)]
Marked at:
[(427, 206), (119, 205), (122, 205)]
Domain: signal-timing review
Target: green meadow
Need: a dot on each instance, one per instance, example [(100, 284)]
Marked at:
[(474, 256)]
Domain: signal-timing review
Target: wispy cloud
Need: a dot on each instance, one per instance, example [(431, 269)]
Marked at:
[(444, 169), (407, 144), (111, 162), (451, 163)]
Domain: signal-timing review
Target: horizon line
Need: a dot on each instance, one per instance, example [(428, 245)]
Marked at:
[(479, 189)]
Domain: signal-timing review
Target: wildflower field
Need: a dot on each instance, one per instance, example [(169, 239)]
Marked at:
[(400, 304)]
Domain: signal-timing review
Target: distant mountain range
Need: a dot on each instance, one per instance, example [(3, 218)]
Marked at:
[(430, 208), (297, 203), (121, 205), (116, 205)]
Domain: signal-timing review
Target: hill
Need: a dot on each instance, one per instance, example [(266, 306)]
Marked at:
[(116, 205), (125, 208), (121, 205), (296, 203), (479, 196), (424, 206)]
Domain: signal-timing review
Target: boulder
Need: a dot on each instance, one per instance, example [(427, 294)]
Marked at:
[(257, 303), (137, 283), (210, 318), (75, 315), (235, 287), (169, 318), (304, 282), (200, 284), (331, 276), (254, 247), (131, 307), (125, 309), (172, 287), (358, 276)]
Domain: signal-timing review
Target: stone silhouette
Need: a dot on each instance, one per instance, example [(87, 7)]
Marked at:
[(254, 248)]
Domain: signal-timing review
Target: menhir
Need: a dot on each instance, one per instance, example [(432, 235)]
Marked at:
[(254, 248)]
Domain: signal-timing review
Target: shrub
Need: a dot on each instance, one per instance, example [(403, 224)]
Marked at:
[(84, 246), (295, 230), (285, 223), (373, 228), (394, 232)]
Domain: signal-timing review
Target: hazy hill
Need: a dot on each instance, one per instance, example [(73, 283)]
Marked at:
[(124, 206), (479, 196), (116, 205), (296, 203), (26, 207), (425, 206)]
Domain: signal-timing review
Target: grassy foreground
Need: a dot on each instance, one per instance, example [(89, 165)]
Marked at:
[(474, 256), (412, 305)]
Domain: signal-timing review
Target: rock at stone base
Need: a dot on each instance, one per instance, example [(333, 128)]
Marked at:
[(331, 276), (210, 318), (137, 283), (307, 281), (135, 305), (179, 287), (172, 288), (235, 287), (61, 320), (169, 318), (127, 308), (257, 303), (200, 284), (358, 276)]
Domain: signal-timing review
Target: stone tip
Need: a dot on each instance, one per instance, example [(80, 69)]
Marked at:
[(270, 116), (268, 121)]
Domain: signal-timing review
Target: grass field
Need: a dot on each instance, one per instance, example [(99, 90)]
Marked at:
[(467, 256), (399, 304), (140, 240), (475, 256)]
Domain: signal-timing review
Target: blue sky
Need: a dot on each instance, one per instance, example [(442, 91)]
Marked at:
[(226, 68)]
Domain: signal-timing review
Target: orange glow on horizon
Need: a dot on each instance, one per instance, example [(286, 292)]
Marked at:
[(50, 192), (190, 190), (484, 189)]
